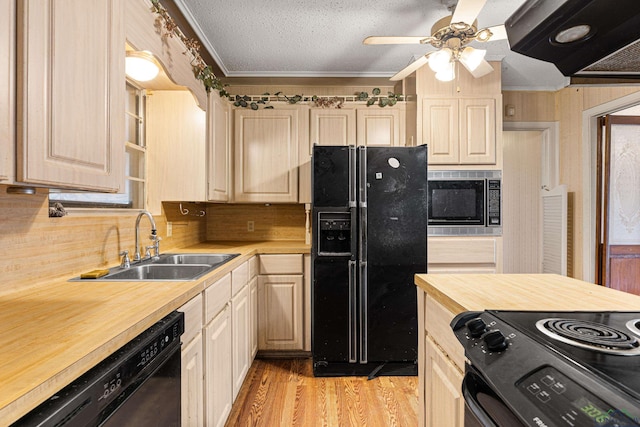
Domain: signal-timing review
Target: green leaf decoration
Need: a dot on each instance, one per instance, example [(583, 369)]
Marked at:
[(371, 102), (254, 106), (376, 91)]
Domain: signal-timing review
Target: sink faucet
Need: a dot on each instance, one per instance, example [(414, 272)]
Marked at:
[(154, 237)]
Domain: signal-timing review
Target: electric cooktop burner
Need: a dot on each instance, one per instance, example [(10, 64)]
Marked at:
[(591, 335)]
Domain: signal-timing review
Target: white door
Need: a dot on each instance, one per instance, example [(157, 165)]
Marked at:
[(521, 207)]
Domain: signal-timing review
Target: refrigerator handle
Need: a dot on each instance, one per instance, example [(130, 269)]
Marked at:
[(353, 185), (353, 308), (362, 253), (364, 335)]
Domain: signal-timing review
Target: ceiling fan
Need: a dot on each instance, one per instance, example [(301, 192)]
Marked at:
[(450, 35)]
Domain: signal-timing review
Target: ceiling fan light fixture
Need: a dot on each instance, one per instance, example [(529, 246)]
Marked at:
[(141, 66), (471, 58), (440, 59), (447, 73)]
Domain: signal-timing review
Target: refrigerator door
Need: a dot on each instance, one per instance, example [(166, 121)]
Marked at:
[(334, 328), (394, 238)]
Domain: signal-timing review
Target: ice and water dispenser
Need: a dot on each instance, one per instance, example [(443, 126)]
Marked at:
[(334, 235)]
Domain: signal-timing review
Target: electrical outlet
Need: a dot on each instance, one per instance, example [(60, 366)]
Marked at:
[(250, 226), (169, 229)]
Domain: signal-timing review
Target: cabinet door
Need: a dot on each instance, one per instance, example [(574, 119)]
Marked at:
[(192, 384), (443, 383), (332, 127), (176, 147), (253, 286), (477, 131), (218, 369), (70, 92), (378, 127), (241, 337), (219, 140), (440, 130), (7, 89), (281, 324), (266, 155)]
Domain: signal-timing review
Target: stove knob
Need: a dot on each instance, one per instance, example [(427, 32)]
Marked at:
[(495, 340), (476, 327)]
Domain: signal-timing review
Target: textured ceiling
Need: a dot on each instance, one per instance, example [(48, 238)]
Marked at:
[(311, 38)]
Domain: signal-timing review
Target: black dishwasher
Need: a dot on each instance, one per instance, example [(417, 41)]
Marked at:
[(138, 385)]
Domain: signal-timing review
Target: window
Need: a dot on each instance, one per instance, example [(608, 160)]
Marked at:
[(135, 148)]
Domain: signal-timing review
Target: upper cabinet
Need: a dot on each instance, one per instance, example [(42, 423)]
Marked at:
[(335, 126), (460, 131), (266, 155), (7, 89), (458, 120), (218, 144), (378, 127), (176, 148), (70, 97)]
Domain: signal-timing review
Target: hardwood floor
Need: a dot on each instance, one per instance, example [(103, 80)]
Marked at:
[(284, 392)]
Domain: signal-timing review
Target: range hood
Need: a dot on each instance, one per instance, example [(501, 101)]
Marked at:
[(584, 38)]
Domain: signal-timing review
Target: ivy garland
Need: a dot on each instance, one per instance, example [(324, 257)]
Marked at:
[(204, 73)]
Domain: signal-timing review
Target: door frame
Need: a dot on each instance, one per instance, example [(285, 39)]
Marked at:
[(589, 176)]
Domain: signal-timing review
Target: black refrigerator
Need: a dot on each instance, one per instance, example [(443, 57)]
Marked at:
[(369, 228)]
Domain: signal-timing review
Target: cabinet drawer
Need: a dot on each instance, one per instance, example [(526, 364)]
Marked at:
[(192, 318), (437, 321), (239, 277), (281, 264), (461, 250), (216, 297)]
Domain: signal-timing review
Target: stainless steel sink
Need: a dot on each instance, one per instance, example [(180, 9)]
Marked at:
[(168, 267), (209, 259), (153, 272)]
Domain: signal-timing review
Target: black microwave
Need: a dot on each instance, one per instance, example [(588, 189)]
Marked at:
[(465, 198)]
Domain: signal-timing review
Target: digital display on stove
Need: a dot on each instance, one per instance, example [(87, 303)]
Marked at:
[(559, 398)]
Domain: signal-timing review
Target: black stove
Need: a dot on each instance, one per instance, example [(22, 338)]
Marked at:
[(553, 368)]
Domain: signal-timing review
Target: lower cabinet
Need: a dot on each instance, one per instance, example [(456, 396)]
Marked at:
[(280, 302), (444, 403), (240, 337), (217, 350), (218, 380)]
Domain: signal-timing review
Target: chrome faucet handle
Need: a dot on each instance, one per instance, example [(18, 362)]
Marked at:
[(126, 262), (156, 245)]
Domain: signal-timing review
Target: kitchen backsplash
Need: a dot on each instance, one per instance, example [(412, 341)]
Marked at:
[(35, 248), (270, 222)]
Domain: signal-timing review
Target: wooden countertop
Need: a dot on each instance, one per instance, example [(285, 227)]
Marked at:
[(542, 292), (54, 332)]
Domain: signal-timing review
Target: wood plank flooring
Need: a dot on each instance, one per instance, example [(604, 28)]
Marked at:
[(284, 392)]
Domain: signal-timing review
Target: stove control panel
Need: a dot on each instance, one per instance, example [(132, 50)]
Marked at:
[(482, 336)]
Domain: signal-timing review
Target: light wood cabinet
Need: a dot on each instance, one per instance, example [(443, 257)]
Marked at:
[(7, 89), (176, 149), (334, 126), (253, 289), (378, 127), (464, 254), (192, 383), (218, 370), (281, 302), (441, 366), (445, 403), (460, 131), (266, 155), (240, 337), (70, 97), (219, 145)]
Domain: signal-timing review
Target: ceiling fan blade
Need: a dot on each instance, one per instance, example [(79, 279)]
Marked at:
[(411, 68), (467, 11), (481, 70), (498, 31), (393, 40)]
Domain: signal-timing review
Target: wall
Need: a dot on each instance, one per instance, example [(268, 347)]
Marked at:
[(271, 222), (568, 106), (35, 248)]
